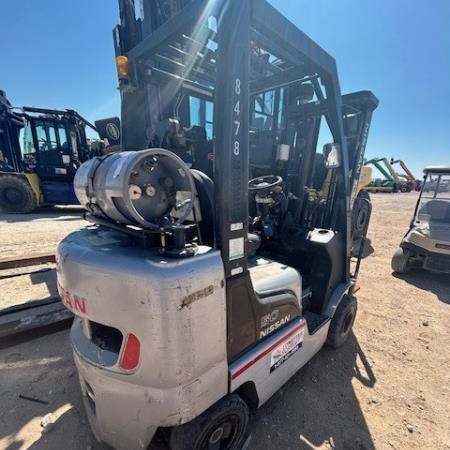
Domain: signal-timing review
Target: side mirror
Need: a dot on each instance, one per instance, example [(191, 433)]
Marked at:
[(331, 152)]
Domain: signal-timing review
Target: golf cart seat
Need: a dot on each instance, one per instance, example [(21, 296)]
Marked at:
[(438, 210), (437, 214)]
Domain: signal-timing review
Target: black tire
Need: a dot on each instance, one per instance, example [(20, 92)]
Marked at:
[(221, 427), (16, 195), (400, 261), (342, 322), (360, 216)]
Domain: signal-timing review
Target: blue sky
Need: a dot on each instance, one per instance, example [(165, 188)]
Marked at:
[(60, 54)]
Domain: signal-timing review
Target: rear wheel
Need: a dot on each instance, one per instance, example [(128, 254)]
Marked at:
[(400, 260), (221, 427), (16, 195), (342, 322)]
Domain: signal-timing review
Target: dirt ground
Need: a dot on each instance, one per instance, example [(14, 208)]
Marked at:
[(28, 234), (387, 388)]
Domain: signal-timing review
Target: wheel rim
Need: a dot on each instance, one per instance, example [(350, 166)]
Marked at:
[(347, 323), (362, 215), (13, 196), (222, 435)]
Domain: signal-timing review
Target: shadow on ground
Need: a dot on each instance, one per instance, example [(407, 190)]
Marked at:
[(367, 248), (438, 284), (318, 407)]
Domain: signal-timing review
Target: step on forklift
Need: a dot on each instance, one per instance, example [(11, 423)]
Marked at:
[(426, 245), (196, 296), (39, 168)]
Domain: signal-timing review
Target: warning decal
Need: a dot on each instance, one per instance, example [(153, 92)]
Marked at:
[(286, 349)]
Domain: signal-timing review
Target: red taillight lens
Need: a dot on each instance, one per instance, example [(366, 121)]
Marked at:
[(130, 355)]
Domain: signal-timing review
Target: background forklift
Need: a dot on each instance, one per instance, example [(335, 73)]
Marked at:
[(40, 169), (196, 297), (426, 245)]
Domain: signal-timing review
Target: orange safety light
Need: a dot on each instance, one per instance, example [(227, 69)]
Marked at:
[(123, 66)]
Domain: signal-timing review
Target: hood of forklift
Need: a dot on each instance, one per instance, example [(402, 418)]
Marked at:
[(145, 321)]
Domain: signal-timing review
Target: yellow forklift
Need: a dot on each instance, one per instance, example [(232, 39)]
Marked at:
[(40, 151)]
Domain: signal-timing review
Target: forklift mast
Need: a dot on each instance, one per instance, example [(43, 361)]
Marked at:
[(10, 125), (358, 108), (227, 54)]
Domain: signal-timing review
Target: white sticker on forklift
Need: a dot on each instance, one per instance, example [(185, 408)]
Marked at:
[(236, 248), (236, 226), (237, 271), (286, 349)]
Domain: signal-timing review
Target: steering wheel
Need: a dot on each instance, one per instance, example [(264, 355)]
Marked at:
[(264, 183)]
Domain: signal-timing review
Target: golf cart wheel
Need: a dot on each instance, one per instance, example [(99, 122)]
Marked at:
[(400, 260), (360, 216), (342, 322), (221, 427), (16, 195)]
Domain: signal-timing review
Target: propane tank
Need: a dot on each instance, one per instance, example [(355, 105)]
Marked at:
[(136, 188)]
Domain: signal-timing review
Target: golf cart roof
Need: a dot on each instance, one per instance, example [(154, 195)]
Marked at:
[(437, 169)]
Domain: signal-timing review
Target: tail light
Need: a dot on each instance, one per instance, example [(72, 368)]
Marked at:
[(131, 352)]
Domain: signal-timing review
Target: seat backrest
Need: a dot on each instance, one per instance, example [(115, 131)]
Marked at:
[(205, 194), (437, 210)]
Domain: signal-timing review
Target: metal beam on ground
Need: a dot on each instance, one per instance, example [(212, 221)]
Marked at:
[(14, 262)]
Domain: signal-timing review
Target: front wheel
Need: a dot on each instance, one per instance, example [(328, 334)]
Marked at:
[(400, 260), (221, 427), (360, 215), (342, 322), (16, 195)]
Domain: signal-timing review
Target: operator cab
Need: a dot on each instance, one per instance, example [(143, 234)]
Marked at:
[(54, 144), (291, 190)]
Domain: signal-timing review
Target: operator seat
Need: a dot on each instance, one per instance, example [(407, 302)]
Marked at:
[(203, 149), (205, 193)]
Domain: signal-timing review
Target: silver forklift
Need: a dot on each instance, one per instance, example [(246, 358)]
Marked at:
[(218, 260), (426, 245)]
